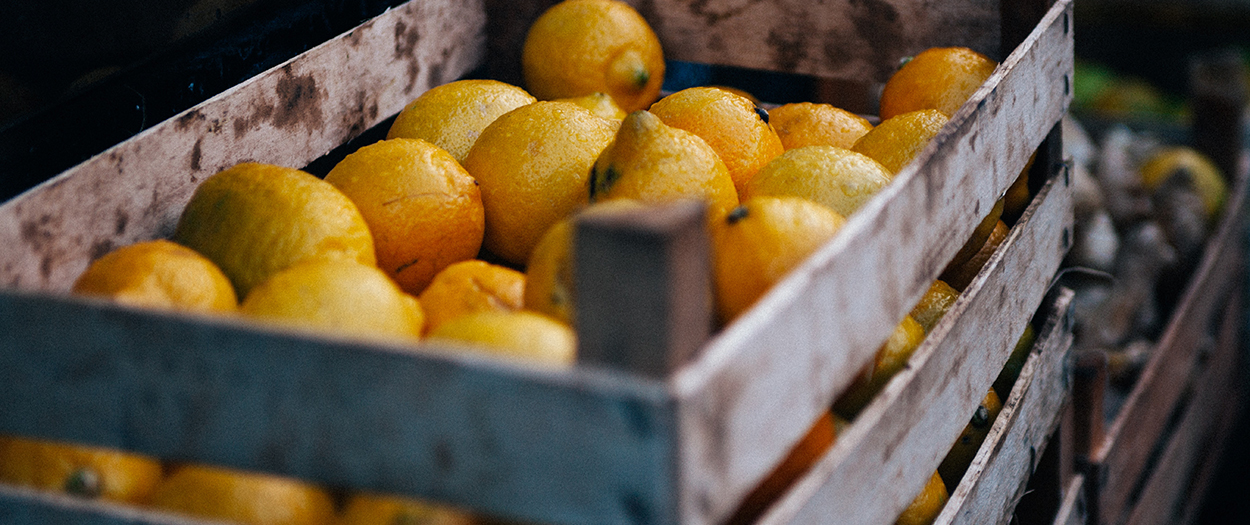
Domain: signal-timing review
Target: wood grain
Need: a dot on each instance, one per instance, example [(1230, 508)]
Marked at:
[(883, 459), (1073, 510), (1118, 462), (829, 316), (1000, 472), (288, 115)]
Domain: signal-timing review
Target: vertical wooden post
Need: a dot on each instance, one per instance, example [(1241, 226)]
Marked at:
[(1218, 93), (1089, 382), (643, 287)]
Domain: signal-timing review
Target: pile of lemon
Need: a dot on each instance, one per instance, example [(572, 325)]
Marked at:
[(457, 227)]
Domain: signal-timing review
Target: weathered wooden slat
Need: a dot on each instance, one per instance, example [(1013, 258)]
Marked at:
[(1073, 510), (999, 474), (288, 115), (1118, 462), (19, 505), (880, 463), (558, 446), (1198, 437), (832, 313)]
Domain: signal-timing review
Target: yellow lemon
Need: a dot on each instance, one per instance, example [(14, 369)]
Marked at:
[(522, 334), (451, 116), (959, 277), (897, 141), (600, 104), (969, 441), (471, 286), (533, 165), (253, 220), (578, 47), (838, 178), (760, 242), (80, 470), (159, 274), (1200, 173), (424, 210), (890, 359), (655, 163), (934, 304), (377, 509), (808, 124), (733, 126), (924, 509), (338, 296), (243, 497), (940, 78)]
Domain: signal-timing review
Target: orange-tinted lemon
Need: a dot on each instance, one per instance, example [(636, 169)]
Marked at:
[(533, 166), (248, 498), (940, 78), (934, 304), (1017, 197), (961, 276), (656, 163), (578, 47), (80, 470), (424, 210), (471, 286), (733, 126), (760, 242), (377, 509), (254, 220), (159, 274), (1015, 362), (451, 116), (838, 178), (890, 359), (897, 141), (969, 441), (522, 334), (808, 124), (813, 446), (339, 296), (927, 505)]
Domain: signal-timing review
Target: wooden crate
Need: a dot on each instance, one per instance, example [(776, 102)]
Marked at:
[(680, 441)]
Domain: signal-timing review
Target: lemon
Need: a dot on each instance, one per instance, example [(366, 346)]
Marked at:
[(578, 47), (521, 334), (655, 163), (924, 509), (159, 274), (760, 242), (1200, 173), (735, 128), (969, 441), (933, 305), (838, 178), (80, 470), (253, 220), (471, 286), (940, 78), (247, 498), (376, 509), (599, 103), (808, 124), (453, 115), (533, 167), (338, 296), (424, 210), (897, 141), (890, 359)]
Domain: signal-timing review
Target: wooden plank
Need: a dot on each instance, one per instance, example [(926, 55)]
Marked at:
[(848, 39), (555, 446), (23, 505), (1119, 460), (1197, 438), (832, 313), (1000, 472), (1073, 510), (880, 463), (288, 115)]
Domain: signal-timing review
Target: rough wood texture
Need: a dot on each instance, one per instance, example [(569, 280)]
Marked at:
[(832, 313), (288, 115), (1171, 491), (1073, 509), (1000, 472), (644, 291), (1117, 463), (563, 446), (880, 463)]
